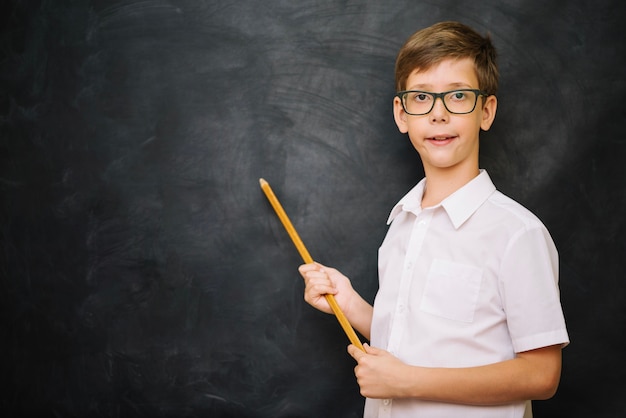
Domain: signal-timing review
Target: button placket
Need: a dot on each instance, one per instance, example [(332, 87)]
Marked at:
[(416, 240)]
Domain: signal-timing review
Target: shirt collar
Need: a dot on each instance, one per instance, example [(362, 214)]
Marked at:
[(411, 202), (459, 206)]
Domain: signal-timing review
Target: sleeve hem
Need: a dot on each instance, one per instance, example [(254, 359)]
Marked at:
[(544, 339)]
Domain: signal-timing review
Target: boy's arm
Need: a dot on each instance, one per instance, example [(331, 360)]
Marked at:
[(531, 375), (320, 280)]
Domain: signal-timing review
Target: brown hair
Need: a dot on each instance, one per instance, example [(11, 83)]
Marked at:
[(430, 46)]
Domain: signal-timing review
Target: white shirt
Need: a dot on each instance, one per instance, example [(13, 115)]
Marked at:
[(468, 282)]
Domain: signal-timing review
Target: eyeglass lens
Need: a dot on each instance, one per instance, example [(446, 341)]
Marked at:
[(420, 103)]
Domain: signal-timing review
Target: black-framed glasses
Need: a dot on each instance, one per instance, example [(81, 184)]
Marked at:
[(462, 101)]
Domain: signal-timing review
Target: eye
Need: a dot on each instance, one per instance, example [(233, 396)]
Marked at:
[(458, 95), (420, 97)]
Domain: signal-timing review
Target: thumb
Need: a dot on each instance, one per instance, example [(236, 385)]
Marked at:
[(320, 265), (372, 350)]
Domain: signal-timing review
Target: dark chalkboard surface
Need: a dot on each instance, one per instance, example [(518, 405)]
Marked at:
[(144, 274)]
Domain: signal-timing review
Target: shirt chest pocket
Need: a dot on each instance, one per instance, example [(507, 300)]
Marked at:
[(452, 290)]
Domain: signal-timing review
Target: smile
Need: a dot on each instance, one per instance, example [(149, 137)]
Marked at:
[(441, 138)]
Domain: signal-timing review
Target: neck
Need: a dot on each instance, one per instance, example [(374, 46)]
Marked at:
[(441, 183)]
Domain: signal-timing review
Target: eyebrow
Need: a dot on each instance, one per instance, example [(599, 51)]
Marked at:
[(452, 86)]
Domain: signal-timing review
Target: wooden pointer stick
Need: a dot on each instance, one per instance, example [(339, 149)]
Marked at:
[(278, 208)]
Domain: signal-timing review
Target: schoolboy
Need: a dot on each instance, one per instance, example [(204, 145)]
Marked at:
[(467, 321)]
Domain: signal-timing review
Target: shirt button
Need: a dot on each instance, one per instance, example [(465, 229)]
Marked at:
[(386, 402), (409, 266)]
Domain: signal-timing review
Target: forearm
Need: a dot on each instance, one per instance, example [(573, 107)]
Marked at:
[(533, 375), (359, 315)]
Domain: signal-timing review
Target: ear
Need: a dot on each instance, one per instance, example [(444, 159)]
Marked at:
[(489, 112), (399, 115)]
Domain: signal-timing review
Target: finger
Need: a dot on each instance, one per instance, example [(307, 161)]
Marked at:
[(304, 268), (314, 278), (319, 265), (315, 274), (372, 350), (355, 352), (312, 268), (326, 269), (314, 292)]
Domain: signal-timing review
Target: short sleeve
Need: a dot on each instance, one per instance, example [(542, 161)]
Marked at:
[(530, 290)]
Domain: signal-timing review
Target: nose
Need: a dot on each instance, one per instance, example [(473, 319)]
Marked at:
[(439, 112)]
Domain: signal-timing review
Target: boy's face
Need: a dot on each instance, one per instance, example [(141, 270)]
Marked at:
[(446, 141)]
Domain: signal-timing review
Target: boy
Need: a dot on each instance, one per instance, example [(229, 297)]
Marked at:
[(467, 321)]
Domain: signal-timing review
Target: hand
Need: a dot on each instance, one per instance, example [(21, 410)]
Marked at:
[(320, 280), (380, 374)]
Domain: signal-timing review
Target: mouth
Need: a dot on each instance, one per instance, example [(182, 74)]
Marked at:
[(441, 138)]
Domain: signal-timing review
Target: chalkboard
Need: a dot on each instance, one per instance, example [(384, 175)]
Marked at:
[(144, 274)]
